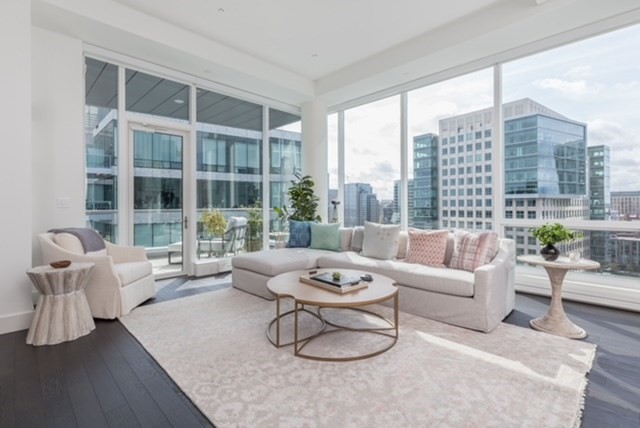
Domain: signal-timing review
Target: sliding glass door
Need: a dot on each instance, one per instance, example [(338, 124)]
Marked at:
[(158, 190)]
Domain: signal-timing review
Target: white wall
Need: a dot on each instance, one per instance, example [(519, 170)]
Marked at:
[(16, 308), (58, 137)]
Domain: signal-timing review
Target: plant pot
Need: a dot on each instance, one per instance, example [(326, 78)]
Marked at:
[(549, 253)]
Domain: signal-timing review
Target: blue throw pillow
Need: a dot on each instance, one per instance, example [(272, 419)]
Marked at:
[(325, 236), (299, 234)]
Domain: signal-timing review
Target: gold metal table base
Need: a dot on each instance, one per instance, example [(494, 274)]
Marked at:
[(393, 326), (299, 343), (276, 342)]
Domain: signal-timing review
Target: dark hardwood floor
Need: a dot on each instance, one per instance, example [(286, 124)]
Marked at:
[(106, 379)]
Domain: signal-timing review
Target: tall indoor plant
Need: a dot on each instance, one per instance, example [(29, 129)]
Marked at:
[(549, 235), (302, 199)]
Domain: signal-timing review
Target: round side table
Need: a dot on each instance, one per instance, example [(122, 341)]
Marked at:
[(62, 312), (555, 321)]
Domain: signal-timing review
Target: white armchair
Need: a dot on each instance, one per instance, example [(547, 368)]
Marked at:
[(122, 277)]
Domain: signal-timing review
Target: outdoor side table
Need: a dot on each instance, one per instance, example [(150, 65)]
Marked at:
[(62, 312)]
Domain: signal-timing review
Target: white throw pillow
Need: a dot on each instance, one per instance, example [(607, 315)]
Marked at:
[(380, 240), (69, 242)]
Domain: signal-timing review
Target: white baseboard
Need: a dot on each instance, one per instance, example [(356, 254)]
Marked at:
[(16, 322)]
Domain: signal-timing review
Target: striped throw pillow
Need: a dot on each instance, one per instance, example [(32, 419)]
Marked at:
[(473, 250)]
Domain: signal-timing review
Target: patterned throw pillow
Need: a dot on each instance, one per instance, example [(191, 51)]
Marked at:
[(427, 247), (380, 240), (299, 234), (473, 250), (325, 236)]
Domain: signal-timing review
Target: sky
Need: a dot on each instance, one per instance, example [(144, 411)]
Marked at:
[(594, 81)]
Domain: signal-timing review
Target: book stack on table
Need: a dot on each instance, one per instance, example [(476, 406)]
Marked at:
[(345, 284)]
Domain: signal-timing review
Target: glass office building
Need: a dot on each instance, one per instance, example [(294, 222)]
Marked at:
[(423, 212), (545, 157)]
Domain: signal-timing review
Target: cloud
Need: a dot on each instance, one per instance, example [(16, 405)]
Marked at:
[(625, 152), (380, 175), (626, 86), (612, 134), (568, 87), (578, 72)]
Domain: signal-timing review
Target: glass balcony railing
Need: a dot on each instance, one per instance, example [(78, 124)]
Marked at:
[(101, 161), (618, 252)]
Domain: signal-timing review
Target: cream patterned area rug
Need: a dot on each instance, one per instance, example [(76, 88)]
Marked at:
[(214, 347)]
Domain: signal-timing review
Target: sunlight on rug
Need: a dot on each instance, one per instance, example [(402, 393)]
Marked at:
[(214, 347)]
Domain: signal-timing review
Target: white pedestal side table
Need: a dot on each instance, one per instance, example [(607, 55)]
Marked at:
[(62, 312), (555, 321)]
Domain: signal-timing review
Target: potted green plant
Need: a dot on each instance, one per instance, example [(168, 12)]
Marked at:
[(214, 223), (549, 235), (254, 233), (302, 199)]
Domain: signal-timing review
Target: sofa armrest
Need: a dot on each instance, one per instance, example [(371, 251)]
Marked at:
[(494, 282), (123, 253)]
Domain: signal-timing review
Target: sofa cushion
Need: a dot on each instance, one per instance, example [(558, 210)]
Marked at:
[(427, 247), (69, 242), (275, 262), (346, 234), (473, 250), (325, 236), (403, 242), (451, 243), (380, 240), (357, 238), (440, 280), (299, 234), (132, 271)]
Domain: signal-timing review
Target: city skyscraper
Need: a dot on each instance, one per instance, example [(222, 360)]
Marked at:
[(423, 212), (600, 243), (360, 204), (545, 168), (599, 182), (626, 205), (396, 204)]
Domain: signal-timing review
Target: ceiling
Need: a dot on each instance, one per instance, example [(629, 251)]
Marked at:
[(287, 52), (312, 38)]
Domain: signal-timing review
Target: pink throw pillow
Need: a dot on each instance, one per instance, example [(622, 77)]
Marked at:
[(427, 247), (473, 250)]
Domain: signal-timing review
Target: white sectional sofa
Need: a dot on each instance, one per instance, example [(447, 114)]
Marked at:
[(478, 300)]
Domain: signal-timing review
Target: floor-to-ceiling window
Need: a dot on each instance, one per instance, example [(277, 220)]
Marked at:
[(572, 151), (565, 151), (334, 207), (285, 160), (101, 147), (157, 107), (174, 161), (229, 165), (450, 149), (372, 163)]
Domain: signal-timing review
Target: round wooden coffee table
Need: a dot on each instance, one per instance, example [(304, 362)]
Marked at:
[(288, 285)]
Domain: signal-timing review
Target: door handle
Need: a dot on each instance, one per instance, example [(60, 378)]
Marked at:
[(186, 222)]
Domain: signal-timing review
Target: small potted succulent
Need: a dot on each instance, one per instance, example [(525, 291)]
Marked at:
[(549, 235)]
